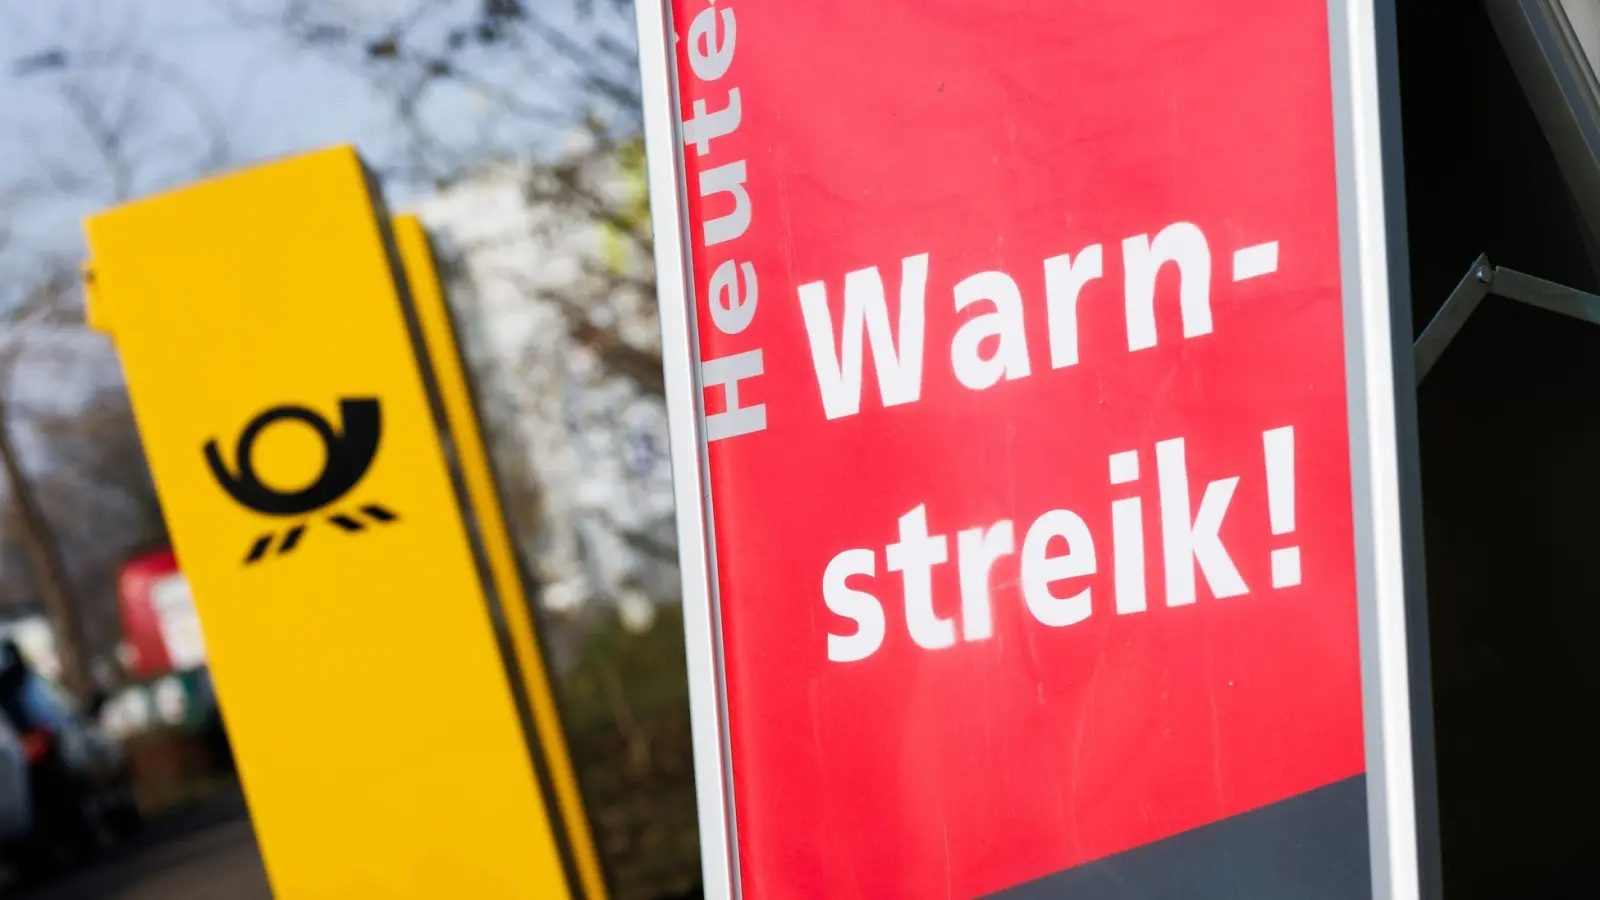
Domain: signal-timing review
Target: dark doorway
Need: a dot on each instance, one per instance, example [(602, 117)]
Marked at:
[(1509, 425)]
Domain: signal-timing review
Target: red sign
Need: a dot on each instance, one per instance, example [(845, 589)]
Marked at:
[(141, 620), (1023, 359)]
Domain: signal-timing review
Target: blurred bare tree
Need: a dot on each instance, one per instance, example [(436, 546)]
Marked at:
[(111, 120), (545, 93), (525, 73), (26, 520), (551, 83)]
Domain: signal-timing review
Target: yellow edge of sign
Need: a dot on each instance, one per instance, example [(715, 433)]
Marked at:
[(433, 315)]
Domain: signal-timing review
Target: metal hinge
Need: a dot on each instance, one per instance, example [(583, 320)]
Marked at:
[(1483, 279)]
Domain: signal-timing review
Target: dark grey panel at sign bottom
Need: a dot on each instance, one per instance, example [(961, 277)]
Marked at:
[(1310, 847)]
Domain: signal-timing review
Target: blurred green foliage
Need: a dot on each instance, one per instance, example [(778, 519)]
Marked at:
[(627, 716)]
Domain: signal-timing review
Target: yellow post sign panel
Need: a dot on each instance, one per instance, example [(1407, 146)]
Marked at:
[(377, 687)]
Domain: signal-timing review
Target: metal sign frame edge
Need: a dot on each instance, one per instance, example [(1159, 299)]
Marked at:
[(686, 439), (1385, 469)]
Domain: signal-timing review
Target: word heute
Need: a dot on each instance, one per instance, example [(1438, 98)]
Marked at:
[(713, 34), (1057, 548)]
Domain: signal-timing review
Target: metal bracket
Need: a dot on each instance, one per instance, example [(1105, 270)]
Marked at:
[(1483, 279)]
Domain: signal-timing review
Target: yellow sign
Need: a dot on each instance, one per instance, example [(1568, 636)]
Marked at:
[(308, 426)]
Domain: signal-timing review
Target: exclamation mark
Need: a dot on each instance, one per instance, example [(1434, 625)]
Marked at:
[(1279, 446)]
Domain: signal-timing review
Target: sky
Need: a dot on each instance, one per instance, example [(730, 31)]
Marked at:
[(197, 63), (182, 71), (227, 61), (272, 97)]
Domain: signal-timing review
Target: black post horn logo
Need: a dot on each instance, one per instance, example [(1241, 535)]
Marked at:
[(349, 453)]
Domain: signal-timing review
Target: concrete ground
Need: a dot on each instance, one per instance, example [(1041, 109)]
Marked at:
[(205, 853)]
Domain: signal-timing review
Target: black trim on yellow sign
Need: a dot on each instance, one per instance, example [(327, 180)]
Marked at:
[(491, 590), (453, 390)]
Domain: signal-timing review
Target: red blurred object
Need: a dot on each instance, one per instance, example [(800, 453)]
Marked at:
[(141, 623), (36, 744)]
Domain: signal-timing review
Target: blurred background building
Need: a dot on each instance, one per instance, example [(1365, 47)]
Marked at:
[(561, 336)]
